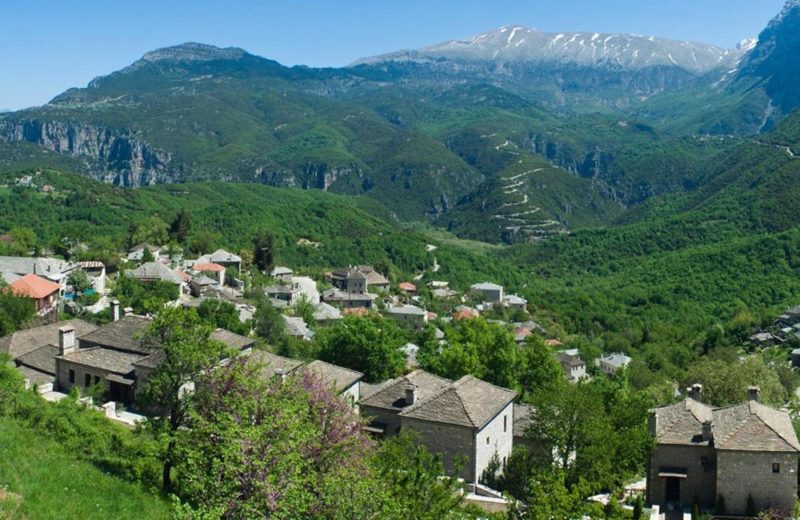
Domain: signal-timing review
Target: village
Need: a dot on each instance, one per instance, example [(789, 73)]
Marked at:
[(86, 343)]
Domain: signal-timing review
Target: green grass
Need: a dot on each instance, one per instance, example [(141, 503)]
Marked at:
[(39, 480)]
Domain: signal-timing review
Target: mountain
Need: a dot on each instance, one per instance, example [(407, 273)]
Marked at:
[(564, 68)]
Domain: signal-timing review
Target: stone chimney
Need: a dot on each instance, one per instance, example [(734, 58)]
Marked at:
[(652, 422), (696, 392), (66, 340), (753, 393), (411, 394), (280, 373), (707, 435), (114, 310)]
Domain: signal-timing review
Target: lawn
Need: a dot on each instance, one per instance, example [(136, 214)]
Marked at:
[(39, 480)]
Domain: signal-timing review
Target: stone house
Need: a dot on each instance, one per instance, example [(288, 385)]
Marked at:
[(287, 293), (512, 301), (358, 280), (211, 270), (282, 274), (741, 452), (136, 253), (12, 268), (113, 356), (572, 364), (467, 421), (488, 292), (348, 300), (408, 314), (156, 271)]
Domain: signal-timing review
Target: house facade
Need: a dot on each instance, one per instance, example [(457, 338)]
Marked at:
[(467, 421), (571, 363), (488, 292), (731, 455), (44, 293)]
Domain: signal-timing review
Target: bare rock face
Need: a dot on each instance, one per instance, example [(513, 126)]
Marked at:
[(116, 156)]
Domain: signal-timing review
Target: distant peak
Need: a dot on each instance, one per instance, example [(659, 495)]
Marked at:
[(194, 52), (789, 7), (747, 44)]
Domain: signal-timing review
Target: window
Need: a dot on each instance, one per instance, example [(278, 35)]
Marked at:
[(71, 376), (96, 379), (776, 467), (505, 423), (487, 440), (87, 380)]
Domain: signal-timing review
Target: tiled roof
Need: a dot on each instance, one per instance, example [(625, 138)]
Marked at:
[(125, 334), (752, 426), (155, 271), (36, 377), (485, 286), (324, 311), (467, 402), (406, 310), (280, 271), (35, 287), (407, 286), (232, 340), (42, 359), (209, 267), (271, 362), (23, 341), (391, 394), (47, 267), (105, 359), (339, 377), (220, 256), (682, 423)]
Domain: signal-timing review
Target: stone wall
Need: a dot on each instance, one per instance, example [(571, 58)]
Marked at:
[(743, 473), (456, 445), (700, 481), (385, 418), (63, 367)]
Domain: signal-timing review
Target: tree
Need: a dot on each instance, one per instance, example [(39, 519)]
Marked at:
[(303, 308), (182, 343), (539, 369), (180, 227), (79, 280), (15, 311), (222, 314), (725, 381), (368, 344), (415, 481), (550, 498), (477, 347), (257, 448), (264, 251), (151, 231), (269, 323)]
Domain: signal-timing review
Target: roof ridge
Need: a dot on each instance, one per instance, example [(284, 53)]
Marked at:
[(332, 365)]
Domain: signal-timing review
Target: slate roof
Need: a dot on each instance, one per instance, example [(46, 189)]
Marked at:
[(752, 426), (52, 268), (42, 359), (108, 359), (339, 377), (485, 286), (569, 358), (280, 271), (391, 394), (123, 334), (467, 402), (296, 327), (232, 340), (155, 271), (220, 256), (23, 341), (272, 362), (682, 423), (749, 426), (35, 287), (616, 360), (411, 310), (36, 377), (324, 311)]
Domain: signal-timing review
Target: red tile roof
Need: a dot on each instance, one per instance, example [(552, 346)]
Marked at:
[(209, 267), (552, 343), (465, 314), (356, 311), (35, 287), (407, 286)]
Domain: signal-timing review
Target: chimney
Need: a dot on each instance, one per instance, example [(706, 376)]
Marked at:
[(411, 394), (753, 393), (696, 392), (114, 310), (707, 431), (66, 340), (280, 373), (653, 422)]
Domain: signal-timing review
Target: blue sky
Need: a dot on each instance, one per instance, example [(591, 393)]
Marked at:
[(47, 46)]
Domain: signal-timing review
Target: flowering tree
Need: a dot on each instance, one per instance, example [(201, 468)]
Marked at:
[(274, 448)]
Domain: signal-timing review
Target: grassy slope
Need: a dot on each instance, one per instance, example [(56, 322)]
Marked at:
[(49, 483)]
